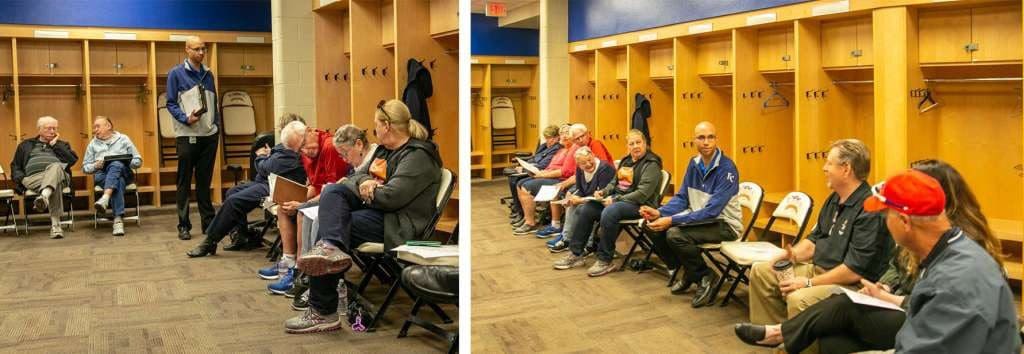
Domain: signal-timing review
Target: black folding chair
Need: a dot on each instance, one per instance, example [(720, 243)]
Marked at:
[(632, 228), (383, 264)]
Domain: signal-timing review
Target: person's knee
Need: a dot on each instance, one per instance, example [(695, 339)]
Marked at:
[(762, 273), (116, 166)]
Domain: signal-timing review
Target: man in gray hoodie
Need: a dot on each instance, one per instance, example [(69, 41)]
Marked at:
[(113, 176)]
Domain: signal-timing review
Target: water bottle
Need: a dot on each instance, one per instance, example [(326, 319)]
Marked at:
[(342, 298)]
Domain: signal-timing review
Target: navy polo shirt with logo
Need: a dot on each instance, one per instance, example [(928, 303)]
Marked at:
[(846, 234)]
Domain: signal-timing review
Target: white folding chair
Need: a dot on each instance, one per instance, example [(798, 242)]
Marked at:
[(68, 219), (7, 197), (741, 255), (503, 121), (168, 148), (749, 197), (131, 189)]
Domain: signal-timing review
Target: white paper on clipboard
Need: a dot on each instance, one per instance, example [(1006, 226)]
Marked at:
[(546, 194), (529, 167)]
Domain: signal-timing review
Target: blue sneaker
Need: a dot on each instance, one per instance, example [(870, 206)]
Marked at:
[(282, 286), (554, 241), (548, 232), (270, 272)]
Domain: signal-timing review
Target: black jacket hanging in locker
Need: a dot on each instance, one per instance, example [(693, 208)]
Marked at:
[(417, 90), (640, 115)]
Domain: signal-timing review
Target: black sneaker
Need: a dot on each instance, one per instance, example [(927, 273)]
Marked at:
[(705, 291), (560, 246), (298, 287), (301, 302), (183, 234)]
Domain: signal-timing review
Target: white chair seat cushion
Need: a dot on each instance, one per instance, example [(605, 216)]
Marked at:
[(747, 253), (371, 247), (7, 193), (32, 193)]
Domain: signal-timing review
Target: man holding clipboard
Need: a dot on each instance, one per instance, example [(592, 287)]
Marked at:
[(192, 101)]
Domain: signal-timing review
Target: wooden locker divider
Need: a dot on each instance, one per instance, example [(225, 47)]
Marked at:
[(414, 41), (581, 87), (481, 123), (763, 147), (333, 80), (151, 156), (610, 95), (373, 68)]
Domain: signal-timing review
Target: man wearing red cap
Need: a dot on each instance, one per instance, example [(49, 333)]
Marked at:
[(961, 302), (845, 246)]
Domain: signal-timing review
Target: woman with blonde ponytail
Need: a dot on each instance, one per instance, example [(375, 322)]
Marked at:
[(389, 200)]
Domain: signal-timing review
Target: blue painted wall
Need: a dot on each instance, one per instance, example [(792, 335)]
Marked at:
[(486, 38), (599, 18), (215, 15)]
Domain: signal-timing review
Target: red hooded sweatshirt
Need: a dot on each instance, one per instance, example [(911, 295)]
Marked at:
[(328, 166)]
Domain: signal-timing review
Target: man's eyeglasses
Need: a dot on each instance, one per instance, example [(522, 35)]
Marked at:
[(709, 137)]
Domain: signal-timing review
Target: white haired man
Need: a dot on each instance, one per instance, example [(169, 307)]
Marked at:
[(43, 165), (283, 160)]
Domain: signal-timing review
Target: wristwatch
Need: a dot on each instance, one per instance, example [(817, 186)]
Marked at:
[(808, 284)]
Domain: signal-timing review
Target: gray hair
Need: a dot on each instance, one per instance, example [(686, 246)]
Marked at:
[(583, 151), (43, 120), (578, 128), (293, 133), (855, 154), (348, 134)]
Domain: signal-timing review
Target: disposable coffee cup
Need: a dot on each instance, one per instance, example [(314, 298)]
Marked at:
[(783, 270)]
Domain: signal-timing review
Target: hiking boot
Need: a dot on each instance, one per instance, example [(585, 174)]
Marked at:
[(311, 322), (324, 258), (600, 268), (569, 261)]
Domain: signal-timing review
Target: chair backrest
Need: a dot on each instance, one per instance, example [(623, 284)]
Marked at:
[(665, 178), (750, 197), (165, 120), (503, 113), (796, 207), (239, 116), (444, 194)]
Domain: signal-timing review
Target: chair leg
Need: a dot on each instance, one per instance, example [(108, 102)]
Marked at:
[(740, 270), (454, 348), (440, 313), (408, 322), (372, 326)]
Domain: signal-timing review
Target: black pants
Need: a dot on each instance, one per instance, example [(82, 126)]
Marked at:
[(842, 326), (240, 201), (513, 187), (591, 213), (344, 220), (679, 246), (195, 159)]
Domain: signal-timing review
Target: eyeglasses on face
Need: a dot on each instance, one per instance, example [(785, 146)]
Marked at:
[(709, 137)]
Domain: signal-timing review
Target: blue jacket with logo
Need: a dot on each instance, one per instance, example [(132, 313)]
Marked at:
[(707, 195)]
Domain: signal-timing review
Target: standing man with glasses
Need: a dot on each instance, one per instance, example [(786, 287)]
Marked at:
[(196, 131), (705, 210)]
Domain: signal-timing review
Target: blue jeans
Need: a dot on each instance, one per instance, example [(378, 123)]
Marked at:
[(590, 213), (114, 176), (345, 220)]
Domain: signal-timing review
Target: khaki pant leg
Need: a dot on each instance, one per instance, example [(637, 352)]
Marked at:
[(55, 178), (766, 303)]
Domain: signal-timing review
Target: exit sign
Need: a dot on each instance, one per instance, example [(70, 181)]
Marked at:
[(496, 9)]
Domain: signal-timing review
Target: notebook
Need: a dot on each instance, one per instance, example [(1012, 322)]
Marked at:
[(285, 190)]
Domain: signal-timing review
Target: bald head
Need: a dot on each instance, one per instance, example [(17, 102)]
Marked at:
[(706, 139), (195, 50)]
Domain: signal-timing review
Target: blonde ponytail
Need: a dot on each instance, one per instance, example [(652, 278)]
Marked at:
[(397, 113)]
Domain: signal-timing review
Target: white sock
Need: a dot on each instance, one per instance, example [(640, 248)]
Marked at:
[(55, 221), (556, 224), (117, 219), (103, 200), (288, 259), (45, 193)]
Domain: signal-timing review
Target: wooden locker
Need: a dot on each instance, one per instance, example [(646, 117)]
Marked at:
[(231, 61), (713, 56), (444, 16), (499, 76), (865, 42), (67, 56), (943, 34), (838, 43), (621, 66), (661, 62), (102, 58), (168, 55), (476, 75), (133, 58), (6, 57), (387, 24), (774, 49), (33, 57), (995, 30), (259, 61), (591, 69)]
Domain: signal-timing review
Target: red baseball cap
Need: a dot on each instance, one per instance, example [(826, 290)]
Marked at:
[(911, 192)]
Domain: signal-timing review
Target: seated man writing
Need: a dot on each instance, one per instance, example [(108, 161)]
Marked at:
[(43, 165), (282, 160), (112, 176)]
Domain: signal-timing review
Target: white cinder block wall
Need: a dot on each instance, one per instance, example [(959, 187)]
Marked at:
[(292, 33)]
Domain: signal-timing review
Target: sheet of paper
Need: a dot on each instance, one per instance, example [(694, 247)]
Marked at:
[(311, 212), (546, 194), (869, 301), (430, 252), (529, 167), (270, 182)]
